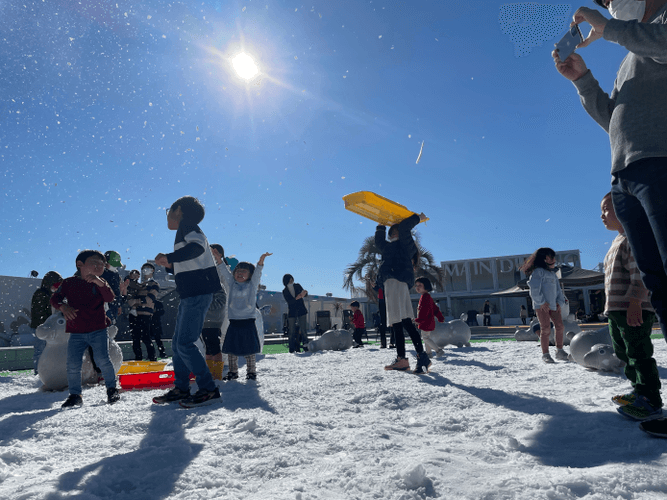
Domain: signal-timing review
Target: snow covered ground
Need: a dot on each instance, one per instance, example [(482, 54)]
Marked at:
[(490, 422)]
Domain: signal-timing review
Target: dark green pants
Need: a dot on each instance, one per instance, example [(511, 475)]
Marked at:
[(632, 344)]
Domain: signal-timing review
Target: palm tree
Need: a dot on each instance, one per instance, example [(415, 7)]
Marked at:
[(428, 268), (365, 268)]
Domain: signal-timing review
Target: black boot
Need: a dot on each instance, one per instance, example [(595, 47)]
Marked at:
[(113, 395), (423, 364)]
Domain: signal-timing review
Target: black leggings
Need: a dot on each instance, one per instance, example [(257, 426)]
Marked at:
[(400, 337)]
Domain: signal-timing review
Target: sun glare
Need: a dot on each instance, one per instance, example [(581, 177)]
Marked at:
[(244, 66)]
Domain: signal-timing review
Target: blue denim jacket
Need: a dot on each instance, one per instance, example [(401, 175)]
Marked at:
[(545, 287)]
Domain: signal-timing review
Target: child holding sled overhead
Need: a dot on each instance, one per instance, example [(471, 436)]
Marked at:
[(397, 276)]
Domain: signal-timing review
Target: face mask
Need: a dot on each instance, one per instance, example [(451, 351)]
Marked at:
[(147, 272), (627, 10)]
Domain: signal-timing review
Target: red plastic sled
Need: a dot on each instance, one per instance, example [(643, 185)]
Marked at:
[(151, 380)]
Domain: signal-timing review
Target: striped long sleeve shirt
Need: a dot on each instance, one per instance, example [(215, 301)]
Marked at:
[(622, 280), (194, 268)]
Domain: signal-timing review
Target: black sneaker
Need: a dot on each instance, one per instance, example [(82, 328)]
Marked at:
[(656, 427), (169, 397), (231, 376), (72, 401), (251, 376), (201, 398), (113, 395)]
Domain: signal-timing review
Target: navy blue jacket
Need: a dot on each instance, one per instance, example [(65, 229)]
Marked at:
[(295, 308), (397, 255)]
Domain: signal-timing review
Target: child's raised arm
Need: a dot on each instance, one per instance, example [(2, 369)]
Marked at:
[(261, 259)]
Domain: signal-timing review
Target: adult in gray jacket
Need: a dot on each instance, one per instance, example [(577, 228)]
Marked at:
[(634, 117)]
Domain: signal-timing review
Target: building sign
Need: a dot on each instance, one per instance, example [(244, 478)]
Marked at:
[(494, 273)]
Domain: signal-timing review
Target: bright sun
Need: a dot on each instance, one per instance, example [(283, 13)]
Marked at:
[(244, 66)]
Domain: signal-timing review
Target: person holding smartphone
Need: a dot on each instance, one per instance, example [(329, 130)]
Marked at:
[(634, 117)]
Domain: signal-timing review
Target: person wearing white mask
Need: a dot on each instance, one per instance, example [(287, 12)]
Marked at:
[(110, 275), (635, 117)]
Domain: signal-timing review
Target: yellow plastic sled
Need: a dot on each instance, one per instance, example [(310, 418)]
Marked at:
[(141, 367), (376, 208)]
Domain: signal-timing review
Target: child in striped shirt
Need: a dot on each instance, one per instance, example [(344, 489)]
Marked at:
[(631, 318), (196, 281)]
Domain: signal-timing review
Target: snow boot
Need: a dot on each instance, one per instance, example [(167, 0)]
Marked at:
[(216, 368), (400, 364), (423, 364), (113, 395)]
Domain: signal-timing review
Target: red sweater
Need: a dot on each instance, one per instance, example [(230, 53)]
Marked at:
[(89, 299), (426, 310), (358, 319)]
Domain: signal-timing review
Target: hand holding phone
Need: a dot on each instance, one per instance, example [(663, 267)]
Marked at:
[(569, 42)]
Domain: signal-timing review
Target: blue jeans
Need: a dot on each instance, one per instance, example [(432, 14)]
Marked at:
[(638, 193), (38, 346), (187, 357), (76, 346)]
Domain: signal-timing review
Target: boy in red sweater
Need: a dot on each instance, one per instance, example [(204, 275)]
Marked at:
[(81, 299), (359, 324), (427, 311)]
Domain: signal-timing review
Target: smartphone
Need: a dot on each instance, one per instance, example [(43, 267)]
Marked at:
[(569, 42)]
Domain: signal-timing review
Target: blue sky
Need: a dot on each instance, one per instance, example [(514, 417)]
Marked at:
[(110, 112)]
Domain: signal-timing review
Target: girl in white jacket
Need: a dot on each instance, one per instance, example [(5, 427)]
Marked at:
[(242, 337), (547, 296)]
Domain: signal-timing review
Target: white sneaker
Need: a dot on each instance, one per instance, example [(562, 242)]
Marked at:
[(561, 355), (546, 357)]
